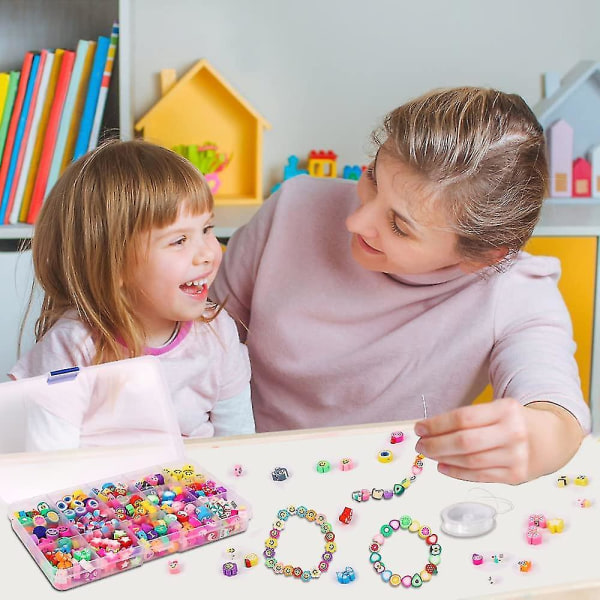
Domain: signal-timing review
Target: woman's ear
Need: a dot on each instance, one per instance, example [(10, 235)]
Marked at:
[(492, 257)]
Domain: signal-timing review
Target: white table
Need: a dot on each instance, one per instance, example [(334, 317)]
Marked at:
[(564, 565)]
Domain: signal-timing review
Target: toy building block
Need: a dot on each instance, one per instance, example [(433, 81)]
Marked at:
[(581, 480), (291, 169), (582, 178), (322, 163), (352, 172), (560, 143)]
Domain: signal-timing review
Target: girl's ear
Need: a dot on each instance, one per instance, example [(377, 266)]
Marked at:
[(493, 257)]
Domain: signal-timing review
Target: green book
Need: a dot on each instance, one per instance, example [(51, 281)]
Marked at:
[(8, 106)]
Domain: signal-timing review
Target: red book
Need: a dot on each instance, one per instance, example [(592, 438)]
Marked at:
[(41, 179), (14, 120), (15, 182)]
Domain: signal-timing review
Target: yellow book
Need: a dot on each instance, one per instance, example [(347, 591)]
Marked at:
[(41, 134), (79, 104), (4, 78)]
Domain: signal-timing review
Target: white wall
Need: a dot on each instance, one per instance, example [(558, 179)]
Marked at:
[(324, 72)]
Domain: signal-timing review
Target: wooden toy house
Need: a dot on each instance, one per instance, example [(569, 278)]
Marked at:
[(560, 156), (201, 106), (582, 178), (595, 159), (577, 101)]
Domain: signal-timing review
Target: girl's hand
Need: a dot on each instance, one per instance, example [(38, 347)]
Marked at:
[(500, 441)]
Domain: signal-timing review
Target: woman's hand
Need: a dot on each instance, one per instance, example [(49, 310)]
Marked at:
[(500, 441)]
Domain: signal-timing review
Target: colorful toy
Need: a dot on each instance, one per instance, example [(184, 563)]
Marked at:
[(310, 515), (202, 105), (477, 559), (416, 580), (322, 163), (237, 470), (582, 178), (575, 99), (595, 160), (352, 172), (562, 481), (581, 480), (207, 160), (583, 502)]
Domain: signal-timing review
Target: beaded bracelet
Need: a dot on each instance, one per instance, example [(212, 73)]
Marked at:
[(424, 532), (312, 516), (397, 490)]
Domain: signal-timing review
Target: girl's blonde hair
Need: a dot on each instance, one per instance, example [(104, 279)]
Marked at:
[(89, 233), (483, 153)]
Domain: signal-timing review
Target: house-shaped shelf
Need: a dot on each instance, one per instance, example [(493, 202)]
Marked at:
[(576, 101), (201, 107)]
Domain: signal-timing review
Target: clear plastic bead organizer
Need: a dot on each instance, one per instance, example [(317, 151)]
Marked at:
[(127, 494), (84, 533)]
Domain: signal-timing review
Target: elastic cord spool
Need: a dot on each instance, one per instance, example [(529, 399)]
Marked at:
[(468, 519)]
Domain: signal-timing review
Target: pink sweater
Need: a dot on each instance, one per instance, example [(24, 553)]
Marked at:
[(332, 343)]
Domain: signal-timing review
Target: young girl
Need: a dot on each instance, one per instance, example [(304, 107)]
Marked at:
[(412, 283), (125, 253)]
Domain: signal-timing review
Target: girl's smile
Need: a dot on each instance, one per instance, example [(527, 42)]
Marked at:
[(174, 271)]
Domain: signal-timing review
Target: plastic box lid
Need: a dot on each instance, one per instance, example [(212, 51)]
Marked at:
[(123, 407)]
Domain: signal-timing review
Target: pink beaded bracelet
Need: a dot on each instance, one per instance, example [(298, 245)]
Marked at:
[(425, 533)]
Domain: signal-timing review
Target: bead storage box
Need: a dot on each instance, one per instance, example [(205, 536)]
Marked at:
[(137, 499), (100, 528)]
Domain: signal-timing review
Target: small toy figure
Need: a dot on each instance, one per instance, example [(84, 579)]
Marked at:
[(581, 480), (280, 474), (237, 470)]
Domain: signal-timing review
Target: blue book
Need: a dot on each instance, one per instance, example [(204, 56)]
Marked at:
[(91, 100), (19, 136)]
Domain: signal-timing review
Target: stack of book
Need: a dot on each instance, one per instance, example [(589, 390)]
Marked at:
[(50, 115)]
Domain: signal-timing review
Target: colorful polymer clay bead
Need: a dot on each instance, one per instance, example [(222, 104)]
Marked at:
[(323, 466)]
